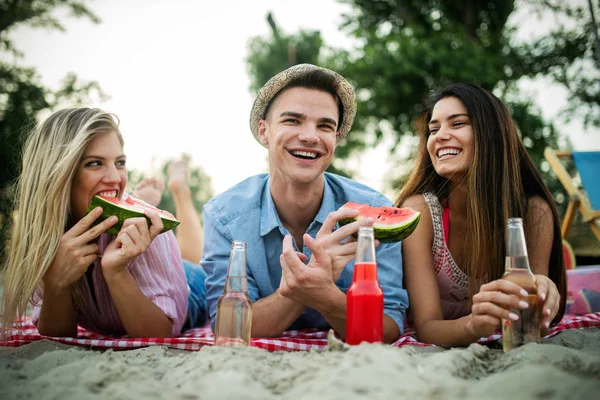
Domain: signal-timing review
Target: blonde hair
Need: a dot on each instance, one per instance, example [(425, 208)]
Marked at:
[(50, 159)]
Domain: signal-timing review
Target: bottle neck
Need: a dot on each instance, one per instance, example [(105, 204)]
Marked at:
[(365, 272), (516, 246), (236, 284)]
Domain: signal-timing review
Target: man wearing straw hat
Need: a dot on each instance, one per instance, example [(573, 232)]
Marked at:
[(289, 216)]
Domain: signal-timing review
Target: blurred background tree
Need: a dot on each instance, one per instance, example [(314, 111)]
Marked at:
[(198, 181), (404, 50), (22, 95)]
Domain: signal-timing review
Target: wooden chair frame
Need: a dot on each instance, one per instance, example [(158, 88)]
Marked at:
[(577, 199)]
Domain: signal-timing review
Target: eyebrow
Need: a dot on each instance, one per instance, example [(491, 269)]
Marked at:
[(435, 121), (303, 117), (293, 114), (100, 157), (329, 121)]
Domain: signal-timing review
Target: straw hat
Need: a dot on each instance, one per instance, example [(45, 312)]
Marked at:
[(280, 81)]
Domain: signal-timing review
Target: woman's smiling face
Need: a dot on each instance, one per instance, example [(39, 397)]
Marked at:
[(450, 142), (101, 171)]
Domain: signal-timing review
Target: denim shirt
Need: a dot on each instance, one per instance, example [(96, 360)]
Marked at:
[(247, 212)]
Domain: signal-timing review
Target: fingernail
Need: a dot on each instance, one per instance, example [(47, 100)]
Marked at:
[(523, 304), (114, 219), (369, 220), (98, 210), (547, 324), (513, 316), (543, 296), (548, 311), (524, 293)]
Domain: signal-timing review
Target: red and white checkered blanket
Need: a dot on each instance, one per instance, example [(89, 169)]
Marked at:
[(194, 339)]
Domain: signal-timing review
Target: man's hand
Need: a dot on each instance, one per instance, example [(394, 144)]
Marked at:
[(339, 244), (309, 284)]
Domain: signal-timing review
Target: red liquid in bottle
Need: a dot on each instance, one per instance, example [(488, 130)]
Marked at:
[(364, 307)]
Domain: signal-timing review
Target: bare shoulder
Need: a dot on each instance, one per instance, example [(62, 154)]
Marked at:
[(416, 202), (538, 208), (423, 234), (539, 213)]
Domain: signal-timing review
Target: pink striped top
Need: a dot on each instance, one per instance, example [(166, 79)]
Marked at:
[(158, 272)]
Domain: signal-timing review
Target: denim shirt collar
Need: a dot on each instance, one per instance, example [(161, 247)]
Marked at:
[(269, 219)]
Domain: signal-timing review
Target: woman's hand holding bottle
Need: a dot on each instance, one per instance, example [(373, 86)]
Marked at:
[(492, 303)]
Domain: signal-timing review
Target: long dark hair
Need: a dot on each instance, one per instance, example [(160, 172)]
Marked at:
[(496, 189)]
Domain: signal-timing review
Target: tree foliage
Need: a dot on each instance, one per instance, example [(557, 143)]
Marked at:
[(22, 95), (407, 49)]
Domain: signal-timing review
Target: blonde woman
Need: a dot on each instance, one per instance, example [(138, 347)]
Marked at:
[(71, 271)]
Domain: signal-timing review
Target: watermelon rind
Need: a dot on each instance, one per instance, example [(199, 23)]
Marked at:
[(122, 213), (386, 233)]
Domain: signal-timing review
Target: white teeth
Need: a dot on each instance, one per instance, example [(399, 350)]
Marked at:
[(112, 193), (304, 154), (445, 152)]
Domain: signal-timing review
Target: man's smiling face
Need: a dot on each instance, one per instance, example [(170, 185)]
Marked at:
[(300, 132)]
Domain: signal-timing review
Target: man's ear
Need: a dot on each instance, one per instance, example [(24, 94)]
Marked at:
[(262, 132)]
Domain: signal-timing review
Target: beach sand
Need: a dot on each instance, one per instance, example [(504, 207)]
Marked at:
[(566, 366)]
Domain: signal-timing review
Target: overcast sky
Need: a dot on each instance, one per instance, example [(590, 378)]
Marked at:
[(176, 74)]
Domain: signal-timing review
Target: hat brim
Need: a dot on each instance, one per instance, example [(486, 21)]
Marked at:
[(276, 84)]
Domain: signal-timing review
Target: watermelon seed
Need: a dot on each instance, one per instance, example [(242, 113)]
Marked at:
[(395, 211)]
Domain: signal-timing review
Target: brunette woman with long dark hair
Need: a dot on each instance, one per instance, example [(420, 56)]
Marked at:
[(472, 174)]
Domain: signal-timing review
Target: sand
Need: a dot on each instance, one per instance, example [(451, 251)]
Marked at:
[(566, 366)]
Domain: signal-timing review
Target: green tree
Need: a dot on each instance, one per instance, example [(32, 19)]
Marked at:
[(407, 49), (270, 55), (22, 95), (199, 183), (569, 54)]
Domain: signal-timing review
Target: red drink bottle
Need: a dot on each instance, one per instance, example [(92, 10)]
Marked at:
[(364, 300)]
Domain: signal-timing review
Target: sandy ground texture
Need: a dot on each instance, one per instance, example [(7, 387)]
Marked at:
[(564, 367)]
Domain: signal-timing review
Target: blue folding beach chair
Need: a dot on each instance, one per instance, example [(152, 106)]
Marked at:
[(586, 199)]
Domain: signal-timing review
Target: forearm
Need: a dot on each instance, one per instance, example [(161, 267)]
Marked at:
[(274, 314), (57, 314), (391, 332), (140, 316), (334, 310), (447, 332)]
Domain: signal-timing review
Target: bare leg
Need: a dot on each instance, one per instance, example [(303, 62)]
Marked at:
[(150, 190), (189, 232)]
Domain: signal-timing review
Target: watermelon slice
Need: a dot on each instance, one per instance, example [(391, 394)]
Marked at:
[(128, 208), (391, 224)]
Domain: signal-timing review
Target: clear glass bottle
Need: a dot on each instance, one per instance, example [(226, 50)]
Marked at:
[(516, 269), (364, 299), (234, 309)]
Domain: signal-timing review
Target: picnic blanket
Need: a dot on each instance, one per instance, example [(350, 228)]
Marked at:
[(195, 339)]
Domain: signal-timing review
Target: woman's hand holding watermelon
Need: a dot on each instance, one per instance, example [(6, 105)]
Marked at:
[(133, 239), (75, 252), (339, 244)]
